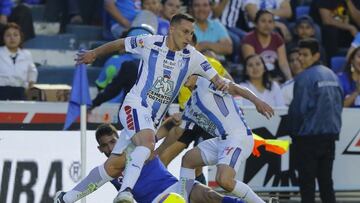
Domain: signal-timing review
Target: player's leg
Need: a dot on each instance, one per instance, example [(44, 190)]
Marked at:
[(171, 152), (168, 152), (204, 154), (201, 193), (231, 155), (138, 126), (97, 177), (145, 143)]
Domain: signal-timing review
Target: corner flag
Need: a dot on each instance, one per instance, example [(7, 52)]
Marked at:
[(80, 95)]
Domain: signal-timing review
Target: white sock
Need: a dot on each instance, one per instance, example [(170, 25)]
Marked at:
[(246, 193), (187, 178), (134, 166), (96, 178)]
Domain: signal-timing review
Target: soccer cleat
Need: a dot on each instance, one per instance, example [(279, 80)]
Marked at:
[(124, 196), (59, 197), (274, 200)]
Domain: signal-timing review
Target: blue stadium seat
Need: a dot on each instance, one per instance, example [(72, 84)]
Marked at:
[(338, 63), (61, 41), (85, 32), (64, 75), (302, 10)]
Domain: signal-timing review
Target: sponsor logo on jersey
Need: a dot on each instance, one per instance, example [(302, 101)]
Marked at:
[(205, 65), (162, 90), (169, 64), (133, 42), (203, 121)]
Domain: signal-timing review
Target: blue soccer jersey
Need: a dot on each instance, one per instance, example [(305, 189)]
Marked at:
[(162, 72)]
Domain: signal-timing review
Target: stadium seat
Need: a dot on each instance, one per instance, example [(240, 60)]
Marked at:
[(337, 63), (61, 41), (85, 32), (37, 12), (302, 10), (64, 75)]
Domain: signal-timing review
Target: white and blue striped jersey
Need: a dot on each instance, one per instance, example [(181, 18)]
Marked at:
[(215, 111), (162, 72)]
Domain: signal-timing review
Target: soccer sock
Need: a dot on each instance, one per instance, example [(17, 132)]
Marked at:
[(187, 178), (96, 178), (229, 199), (134, 165), (246, 193)]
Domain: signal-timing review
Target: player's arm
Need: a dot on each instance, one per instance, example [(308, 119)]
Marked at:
[(90, 56), (220, 83), (261, 106)]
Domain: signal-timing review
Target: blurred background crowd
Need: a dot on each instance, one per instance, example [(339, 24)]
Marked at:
[(40, 38)]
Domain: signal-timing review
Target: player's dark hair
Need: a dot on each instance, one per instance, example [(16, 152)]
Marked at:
[(266, 77), (261, 13), (181, 16), (105, 129), (311, 43)]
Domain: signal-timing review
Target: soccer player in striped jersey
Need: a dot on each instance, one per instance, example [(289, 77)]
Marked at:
[(167, 61), (217, 113)]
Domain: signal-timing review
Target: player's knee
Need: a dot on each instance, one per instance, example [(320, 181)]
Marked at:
[(225, 181), (146, 139), (114, 166)]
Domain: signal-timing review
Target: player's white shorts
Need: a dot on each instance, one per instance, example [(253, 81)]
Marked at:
[(134, 117), (232, 151)]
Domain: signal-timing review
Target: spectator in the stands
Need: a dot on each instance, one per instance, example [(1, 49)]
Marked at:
[(19, 14), (119, 15), (229, 13), (211, 34), (305, 29), (339, 20), (64, 11), (280, 8), (268, 44), (355, 44), (170, 8), (350, 80), (155, 7), (17, 69), (287, 88), (256, 78)]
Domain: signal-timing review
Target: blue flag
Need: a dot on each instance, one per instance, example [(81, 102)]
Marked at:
[(80, 95)]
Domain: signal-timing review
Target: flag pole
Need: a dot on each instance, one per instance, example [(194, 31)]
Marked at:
[(83, 143)]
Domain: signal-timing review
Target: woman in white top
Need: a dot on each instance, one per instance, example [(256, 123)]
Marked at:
[(17, 69), (256, 78)]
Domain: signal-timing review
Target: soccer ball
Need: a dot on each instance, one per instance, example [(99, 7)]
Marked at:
[(172, 198)]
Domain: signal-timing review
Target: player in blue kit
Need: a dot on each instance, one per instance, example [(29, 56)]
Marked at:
[(217, 113), (166, 63), (151, 188)]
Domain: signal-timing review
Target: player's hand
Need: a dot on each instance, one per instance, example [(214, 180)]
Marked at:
[(222, 85), (85, 57), (177, 118), (264, 108)]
